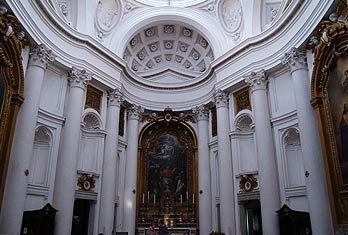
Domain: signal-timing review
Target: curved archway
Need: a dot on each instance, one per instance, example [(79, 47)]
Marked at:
[(167, 173)]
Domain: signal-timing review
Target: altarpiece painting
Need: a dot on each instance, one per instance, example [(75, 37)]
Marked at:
[(167, 172)]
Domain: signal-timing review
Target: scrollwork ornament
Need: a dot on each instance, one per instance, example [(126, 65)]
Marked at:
[(257, 80), (135, 112), (41, 56), (220, 99), (115, 98), (295, 58), (201, 113), (79, 78)]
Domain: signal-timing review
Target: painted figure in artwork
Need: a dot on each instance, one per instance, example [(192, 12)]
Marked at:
[(166, 166), (344, 135)]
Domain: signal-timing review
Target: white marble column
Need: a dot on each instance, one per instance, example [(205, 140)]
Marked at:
[(18, 170), (134, 115), (66, 174), (204, 184), (318, 197), (266, 156), (109, 177), (227, 213)]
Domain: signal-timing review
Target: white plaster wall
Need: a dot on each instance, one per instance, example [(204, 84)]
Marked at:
[(53, 90), (281, 93), (91, 152), (119, 197)]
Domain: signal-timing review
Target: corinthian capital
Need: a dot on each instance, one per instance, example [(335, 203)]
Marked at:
[(135, 112), (257, 80), (220, 99), (201, 112), (295, 58), (115, 97), (40, 56), (79, 78)]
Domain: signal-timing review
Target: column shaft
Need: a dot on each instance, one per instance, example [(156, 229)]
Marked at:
[(267, 167), (109, 177), (131, 170), (227, 212), (318, 198), (204, 185), (18, 171), (65, 184)]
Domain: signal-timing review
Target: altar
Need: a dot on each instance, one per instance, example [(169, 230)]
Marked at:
[(172, 231)]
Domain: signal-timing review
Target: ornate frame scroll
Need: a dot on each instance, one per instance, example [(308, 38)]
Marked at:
[(11, 70), (332, 47), (181, 211)]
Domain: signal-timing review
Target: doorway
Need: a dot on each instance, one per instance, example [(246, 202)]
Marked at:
[(80, 217), (252, 217)]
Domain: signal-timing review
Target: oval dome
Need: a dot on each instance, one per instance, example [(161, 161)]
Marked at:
[(168, 48)]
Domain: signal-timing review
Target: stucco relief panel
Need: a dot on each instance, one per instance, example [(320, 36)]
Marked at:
[(107, 15), (231, 17)]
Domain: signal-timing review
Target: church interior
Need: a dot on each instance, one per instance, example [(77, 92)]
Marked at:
[(217, 117)]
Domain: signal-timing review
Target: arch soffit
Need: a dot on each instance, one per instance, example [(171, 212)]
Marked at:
[(43, 135), (89, 112), (291, 136), (242, 118), (212, 32)]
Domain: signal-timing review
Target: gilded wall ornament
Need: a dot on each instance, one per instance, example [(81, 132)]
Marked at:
[(86, 182), (248, 183), (328, 79)]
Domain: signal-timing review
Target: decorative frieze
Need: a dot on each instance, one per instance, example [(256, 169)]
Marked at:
[(257, 80), (220, 99), (79, 78), (295, 58), (201, 112), (41, 56)]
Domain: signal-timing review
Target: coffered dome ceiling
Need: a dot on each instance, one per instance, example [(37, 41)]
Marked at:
[(159, 50)]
